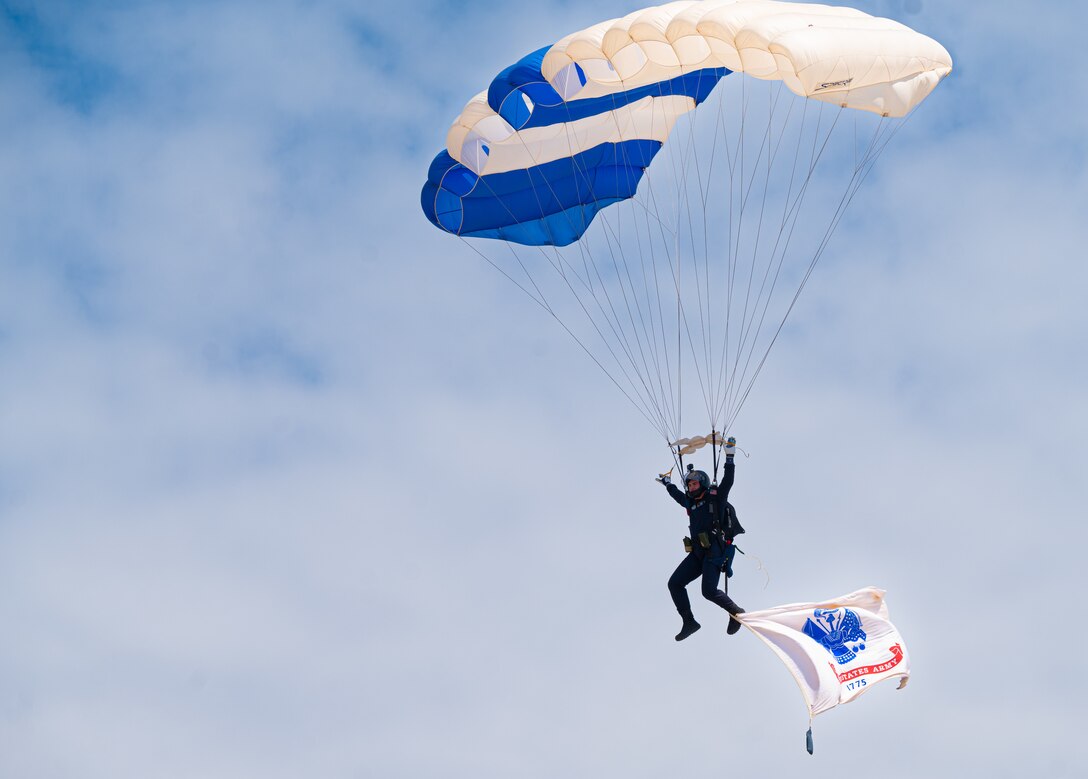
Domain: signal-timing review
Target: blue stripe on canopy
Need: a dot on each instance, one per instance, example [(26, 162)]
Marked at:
[(549, 204), (552, 203), (508, 92)]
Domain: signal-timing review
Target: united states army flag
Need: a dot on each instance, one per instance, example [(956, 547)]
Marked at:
[(837, 649)]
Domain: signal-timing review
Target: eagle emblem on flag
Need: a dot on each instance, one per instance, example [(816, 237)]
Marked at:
[(838, 631)]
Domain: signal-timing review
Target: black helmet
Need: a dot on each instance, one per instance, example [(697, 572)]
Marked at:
[(699, 476)]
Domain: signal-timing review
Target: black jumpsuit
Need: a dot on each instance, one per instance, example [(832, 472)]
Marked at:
[(703, 514)]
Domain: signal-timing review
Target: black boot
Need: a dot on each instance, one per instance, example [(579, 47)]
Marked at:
[(689, 626), (734, 625)]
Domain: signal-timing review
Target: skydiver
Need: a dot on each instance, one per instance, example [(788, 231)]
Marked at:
[(710, 548)]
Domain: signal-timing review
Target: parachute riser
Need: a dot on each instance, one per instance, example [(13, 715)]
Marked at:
[(714, 449)]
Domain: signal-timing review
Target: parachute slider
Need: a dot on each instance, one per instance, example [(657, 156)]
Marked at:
[(692, 445)]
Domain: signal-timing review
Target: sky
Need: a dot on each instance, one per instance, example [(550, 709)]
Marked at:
[(294, 484)]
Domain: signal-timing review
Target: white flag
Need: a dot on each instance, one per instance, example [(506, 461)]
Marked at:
[(836, 650)]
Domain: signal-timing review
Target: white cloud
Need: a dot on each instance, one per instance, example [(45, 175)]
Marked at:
[(292, 483)]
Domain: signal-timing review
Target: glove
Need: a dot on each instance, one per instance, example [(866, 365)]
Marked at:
[(730, 447), (665, 479)]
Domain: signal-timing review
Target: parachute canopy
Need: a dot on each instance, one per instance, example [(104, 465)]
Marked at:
[(570, 128), (704, 231)]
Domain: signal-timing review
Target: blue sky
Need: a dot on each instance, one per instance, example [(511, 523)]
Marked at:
[(292, 483)]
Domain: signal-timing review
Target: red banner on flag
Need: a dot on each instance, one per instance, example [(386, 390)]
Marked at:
[(867, 670)]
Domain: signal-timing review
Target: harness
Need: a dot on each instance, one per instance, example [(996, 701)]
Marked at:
[(727, 531), (723, 535)]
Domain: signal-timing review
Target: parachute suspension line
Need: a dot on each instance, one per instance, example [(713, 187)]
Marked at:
[(644, 404), (701, 273), (670, 246), (738, 164), (655, 327), (690, 160), (612, 321), (745, 325), (636, 335), (540, 301), (675, 269), (651, 208), (604, 279), (650, 331), (724, 391), (656, 333), (704, 188), (861, 171), (649, 326), (680, 160), (676, 282), (645, 374), (681, 157), (660, 351), (558, 266), (748, 184), (716, 388), (785, 227), (736, 210), (648, 398), (722, 129), (661, 347), (728, 276), (674, 152), (650, 340), (544, 305), (772, 150)]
